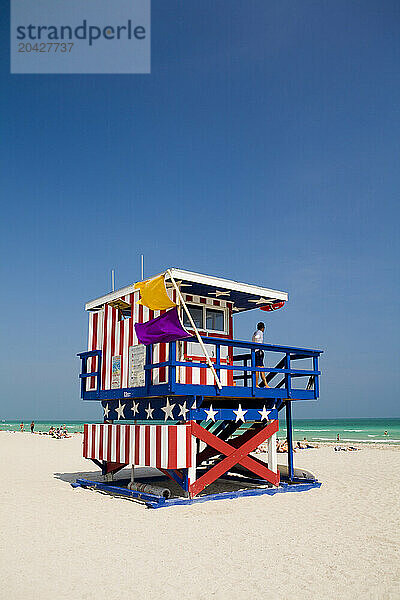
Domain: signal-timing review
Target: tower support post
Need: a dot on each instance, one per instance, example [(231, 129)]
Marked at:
[(289, 431)]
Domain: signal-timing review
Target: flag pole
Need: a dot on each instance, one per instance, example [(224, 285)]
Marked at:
[(208, 359)]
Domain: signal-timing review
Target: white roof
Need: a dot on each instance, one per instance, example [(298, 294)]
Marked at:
[(244, 296)]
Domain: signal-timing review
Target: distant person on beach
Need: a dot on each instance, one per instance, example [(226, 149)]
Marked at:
[(51, 430), (258, 338), (385, 433), (284, 447), (32, 426), (280, 447), (303, 445), (338, 438), (21, 426), (306, 444)]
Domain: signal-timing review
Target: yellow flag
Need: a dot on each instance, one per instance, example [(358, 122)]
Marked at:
[(154, 294)]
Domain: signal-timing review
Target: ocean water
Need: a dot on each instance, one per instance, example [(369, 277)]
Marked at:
[(72, 426), (349, 430), (318, 430)]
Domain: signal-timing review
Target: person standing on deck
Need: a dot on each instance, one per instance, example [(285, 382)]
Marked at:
[(258, 338)]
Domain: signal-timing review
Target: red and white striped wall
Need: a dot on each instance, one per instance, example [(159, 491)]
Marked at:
[(175, 447), (159, 446), (114, 337)]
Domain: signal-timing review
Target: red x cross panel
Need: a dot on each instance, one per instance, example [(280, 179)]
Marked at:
[(234, 456)]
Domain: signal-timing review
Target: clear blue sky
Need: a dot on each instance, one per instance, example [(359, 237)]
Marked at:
[(263, 147)]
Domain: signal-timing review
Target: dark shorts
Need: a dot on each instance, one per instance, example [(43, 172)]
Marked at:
[(259, 358)]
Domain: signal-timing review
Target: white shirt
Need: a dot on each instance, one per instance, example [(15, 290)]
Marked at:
[(258, 337)]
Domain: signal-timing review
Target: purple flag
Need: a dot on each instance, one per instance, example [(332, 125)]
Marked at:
[(165, 328)]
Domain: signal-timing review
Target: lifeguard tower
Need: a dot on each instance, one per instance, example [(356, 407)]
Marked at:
[(179, 393)]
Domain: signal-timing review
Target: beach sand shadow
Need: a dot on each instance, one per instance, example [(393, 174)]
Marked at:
[(97, 476), (123, 476)]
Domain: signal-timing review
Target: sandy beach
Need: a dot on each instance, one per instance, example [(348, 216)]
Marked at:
[(340, 541)]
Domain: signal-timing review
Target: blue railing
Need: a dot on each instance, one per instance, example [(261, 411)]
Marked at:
[(84, 372), (247, 369), (241, 361)]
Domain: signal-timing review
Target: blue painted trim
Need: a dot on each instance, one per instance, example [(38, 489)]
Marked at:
[(316, 380), (89, 353), (175, 477), (288, 379), (253, 372), (172, 367), (169, 363), (218, 365), (289, 429), (298, 480), (226, 414), (85, 483), (93, 374), (262, 481), (135, 409), (185, 483), (148, 374), (209, 391), (248, 372), (84, 374), (297, 487), (153, 501), (255, 345)]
